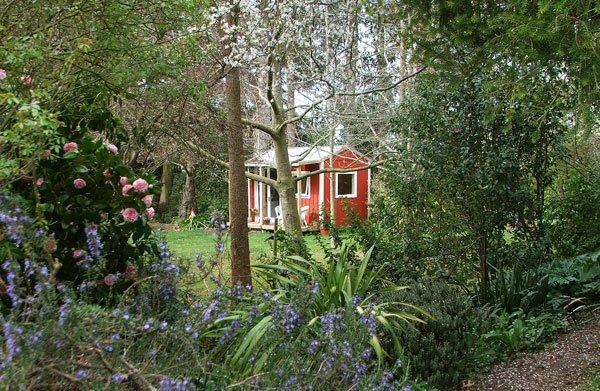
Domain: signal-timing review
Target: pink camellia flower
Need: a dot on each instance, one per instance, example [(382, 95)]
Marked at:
[(39, 182), (109, 279), (79, 183), (129, 215), (68, 146), (45, 154), (106, 173), (2, 74), (26, 79), (150, 212), (123, 180), (147, 200), (77, 253), (113, 148), (126, 188), (140, 185)]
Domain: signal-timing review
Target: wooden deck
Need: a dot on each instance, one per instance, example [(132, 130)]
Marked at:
[(270, 227)]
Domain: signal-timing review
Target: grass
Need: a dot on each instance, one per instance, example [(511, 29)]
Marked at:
[(185, 244), (593, 384)]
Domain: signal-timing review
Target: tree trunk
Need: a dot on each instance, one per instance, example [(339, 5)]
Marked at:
[(188, 196), (238, 201), (483, 263), (287, 187), (165, 192), (291, 102)]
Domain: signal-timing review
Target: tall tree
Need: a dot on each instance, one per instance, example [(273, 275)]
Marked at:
[(238, 201)]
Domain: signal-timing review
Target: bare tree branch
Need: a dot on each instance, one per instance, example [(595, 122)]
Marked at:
[(325, 170), (257, 125), (382, 89)]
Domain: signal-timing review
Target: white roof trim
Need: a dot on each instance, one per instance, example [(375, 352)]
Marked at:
[(315, 156)]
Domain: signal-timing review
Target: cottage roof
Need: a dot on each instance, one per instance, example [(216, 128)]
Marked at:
[(316, 155)]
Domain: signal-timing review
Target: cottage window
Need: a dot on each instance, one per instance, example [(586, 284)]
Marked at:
[(305, 186), (346, 184)]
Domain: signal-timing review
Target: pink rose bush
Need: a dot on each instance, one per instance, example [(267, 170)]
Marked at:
[(123, 180), (130, 215), (140, 185), (69, 146), (79, 183)]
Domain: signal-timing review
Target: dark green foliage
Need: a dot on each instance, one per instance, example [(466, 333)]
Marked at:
[(577, 277), (574, 216), (440, 351), (519, 288), (74, 187)]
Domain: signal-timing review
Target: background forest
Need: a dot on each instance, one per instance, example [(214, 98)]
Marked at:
[(481, 120)]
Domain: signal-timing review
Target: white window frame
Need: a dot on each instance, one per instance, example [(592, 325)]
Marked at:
[(354, 185), (304, 194)]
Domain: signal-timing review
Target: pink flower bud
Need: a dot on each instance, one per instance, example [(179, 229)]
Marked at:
[(109, 279), (123, 180), (106, 173), (77, 253), (126, 188), (147, 200), (51, 245), (79, 183), (150, 212), (2, 74), (113, 148), (39, 182), (68, 146), (45, 154)]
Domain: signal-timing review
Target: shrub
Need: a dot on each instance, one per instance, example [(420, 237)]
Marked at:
[(440, 351), (162, 336), (89, 202)]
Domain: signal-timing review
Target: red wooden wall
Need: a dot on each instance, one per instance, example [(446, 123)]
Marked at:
[(359, 203)]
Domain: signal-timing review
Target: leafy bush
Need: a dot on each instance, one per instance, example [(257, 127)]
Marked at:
[(441, 350), (573, 219), (89, 201), (344, 284), (577, 277), (518, 331), (519, 288), (164, 334)]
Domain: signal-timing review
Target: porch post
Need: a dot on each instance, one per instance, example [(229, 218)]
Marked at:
[(299, 188), (263, 199)]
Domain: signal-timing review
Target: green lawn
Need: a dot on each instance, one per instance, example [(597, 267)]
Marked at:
[(186, 244)]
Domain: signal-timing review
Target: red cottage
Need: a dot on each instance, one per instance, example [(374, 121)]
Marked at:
[(351, 188)]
